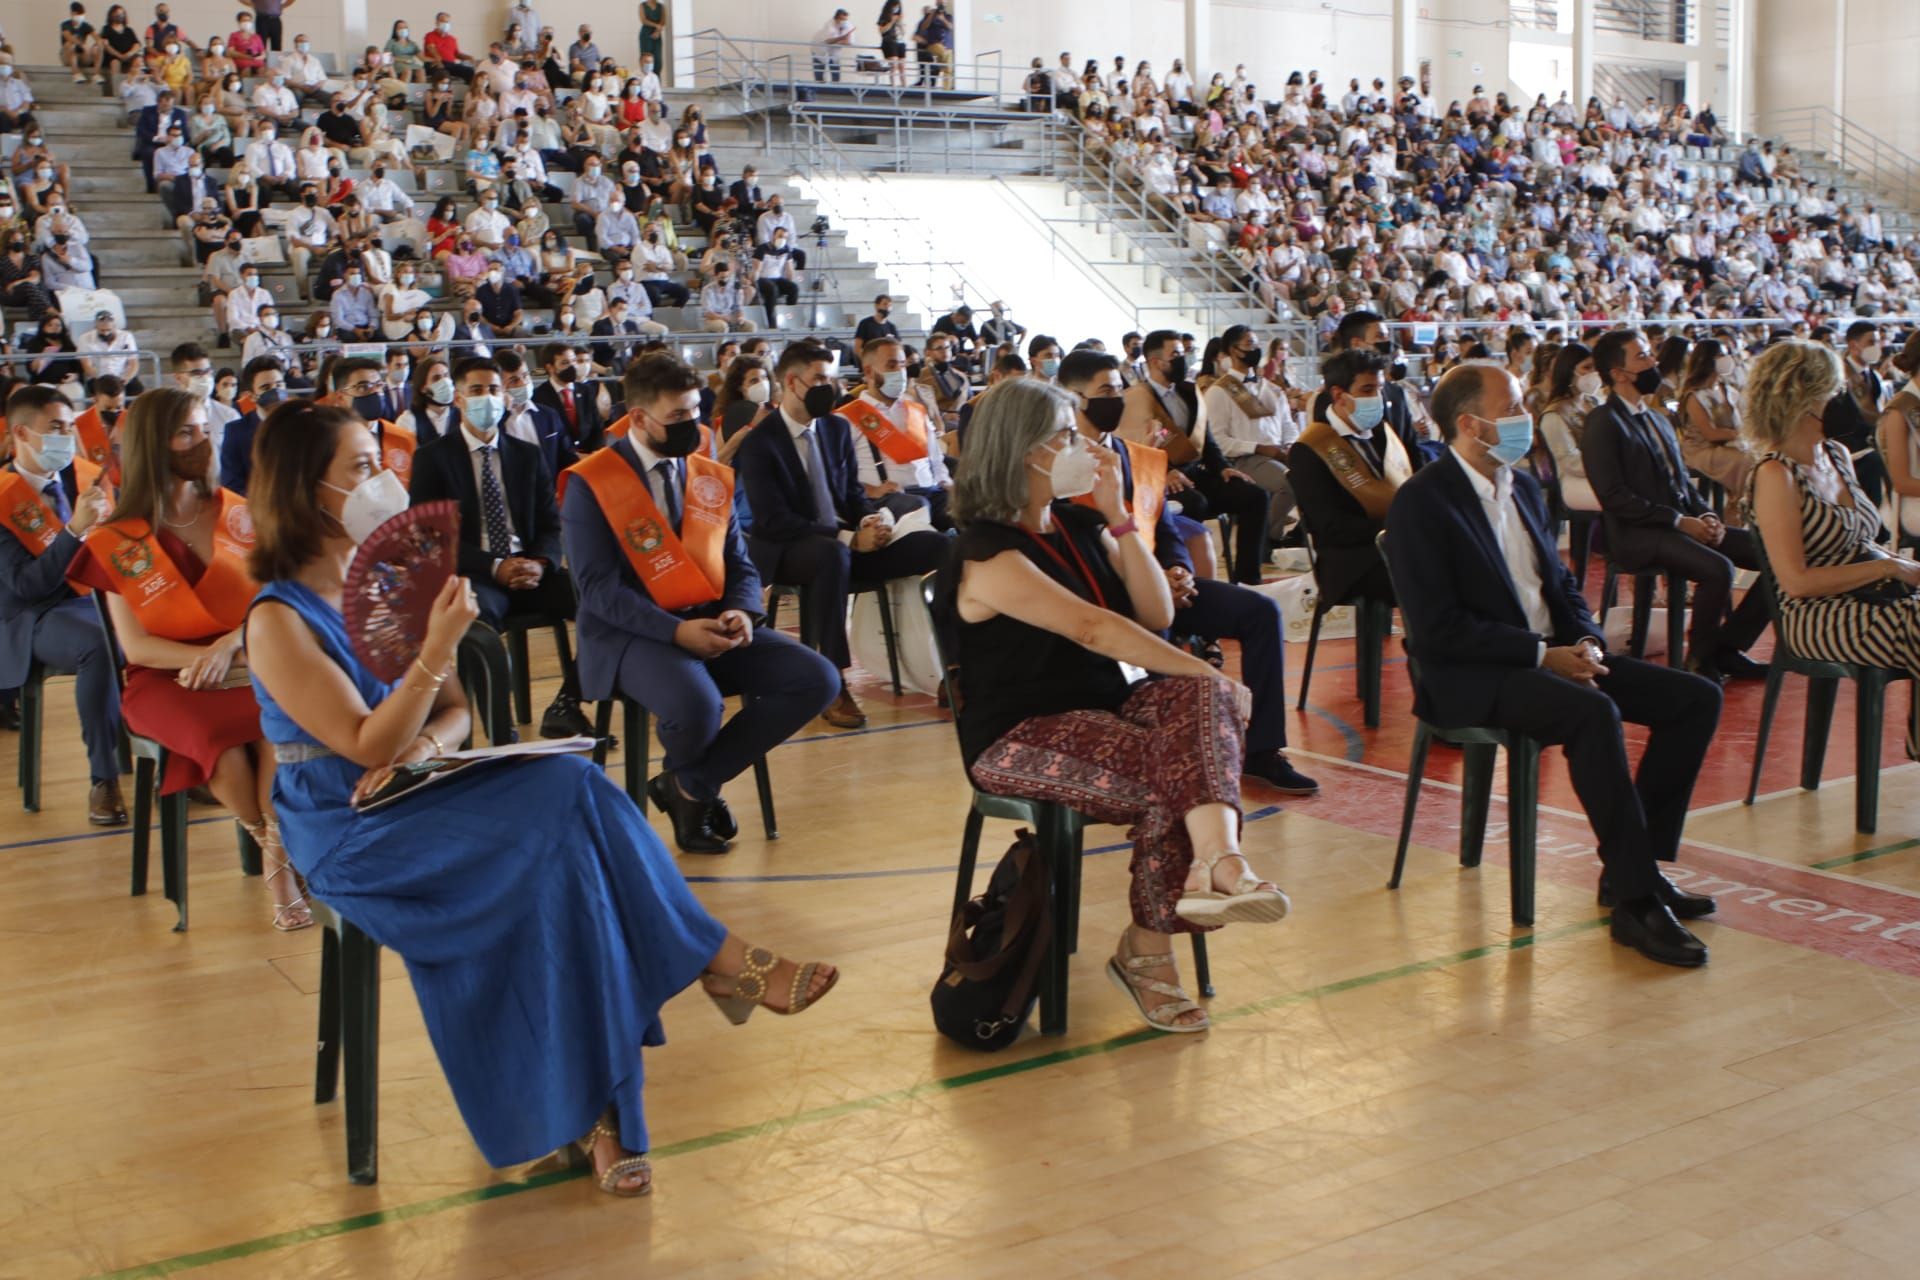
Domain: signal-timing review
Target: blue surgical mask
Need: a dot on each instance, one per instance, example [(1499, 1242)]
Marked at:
[(1367, 412), (893, 383), (483, 413), (1050, 367), (1516, 439), (55, 452)]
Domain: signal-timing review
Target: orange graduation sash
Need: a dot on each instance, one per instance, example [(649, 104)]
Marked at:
[(396, 449), (93, 436), (904, 445), (681, 570), (1149, 486), (25, 512), (157, 592)]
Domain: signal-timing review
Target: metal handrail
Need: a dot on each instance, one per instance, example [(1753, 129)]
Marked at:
[(1872, 161), (907, 127), (783, 68)]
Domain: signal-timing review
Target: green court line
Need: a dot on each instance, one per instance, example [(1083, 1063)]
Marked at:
[(1866, 855), (780, 1124)]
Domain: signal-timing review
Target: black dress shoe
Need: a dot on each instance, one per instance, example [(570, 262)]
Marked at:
[(720, 819), (565, 719), (692, 829), (1686, 906), (1738, 666), (1273, 768), (1648, 926), (1706, 668)]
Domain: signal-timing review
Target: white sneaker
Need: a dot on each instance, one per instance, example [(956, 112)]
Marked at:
[(78, 78)]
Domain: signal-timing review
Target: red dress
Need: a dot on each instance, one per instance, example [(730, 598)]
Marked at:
[(196, 726)]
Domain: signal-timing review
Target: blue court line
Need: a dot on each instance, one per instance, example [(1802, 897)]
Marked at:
[(1256, 815), (104, 832)]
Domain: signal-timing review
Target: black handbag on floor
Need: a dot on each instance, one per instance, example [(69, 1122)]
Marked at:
[(991, 980)]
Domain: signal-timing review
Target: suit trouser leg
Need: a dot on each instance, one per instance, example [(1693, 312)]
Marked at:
[(553, 598), (1271, 475), (1712, 576), (1248, 504), (822, 566), (908, 557), (68, 638), (1222, 611), (1680, 711), (1753, 614), (903, 504), (1585, 723)]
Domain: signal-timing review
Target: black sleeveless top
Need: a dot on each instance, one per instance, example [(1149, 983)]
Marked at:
[(1011, 671)]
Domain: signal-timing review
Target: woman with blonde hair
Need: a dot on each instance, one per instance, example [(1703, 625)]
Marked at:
[(171, 559), (1841, 597)]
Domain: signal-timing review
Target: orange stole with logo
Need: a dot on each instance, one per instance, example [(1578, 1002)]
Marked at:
[(679, 570), (396, 449), (1149, 486), (156, 590), (904, 445), (25, 512), (92, 431)]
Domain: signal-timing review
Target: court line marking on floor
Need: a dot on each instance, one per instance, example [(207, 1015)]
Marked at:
[(782, 1124)]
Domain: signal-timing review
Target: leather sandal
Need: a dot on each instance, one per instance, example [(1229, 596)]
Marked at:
[(746, 991), (612, 1178), (1127, 971), (1251, 901)]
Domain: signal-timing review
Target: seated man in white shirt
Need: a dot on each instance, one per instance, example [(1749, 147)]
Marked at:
[(384, 198), (309, 236), (270, 161), (305, 76), (487, 225), (273, 101), (101, 351), (896, 443), (650, 90), (723, 304), (1250, 418)]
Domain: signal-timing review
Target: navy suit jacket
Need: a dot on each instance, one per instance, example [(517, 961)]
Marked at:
[(1466, 628), (1639, 493), (592, 432), (781, 495), (443, 468), (615, 606), (149, 126), (556, 447), (29, 586), (236, 452)]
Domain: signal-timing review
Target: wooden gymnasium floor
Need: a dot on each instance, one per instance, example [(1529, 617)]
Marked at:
[(1396, 1085)]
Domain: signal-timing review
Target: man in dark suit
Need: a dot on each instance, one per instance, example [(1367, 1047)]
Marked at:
[(1166, 401), (45, 510), (509, 523), (1853, 416), (813, 525), (1367, 331), (675, 627), (266, 382), (577, 402), (528, 419), (1342, 481), (150, 130), (1503, 638), (748, 202), (1656, 519), (1204, 607)]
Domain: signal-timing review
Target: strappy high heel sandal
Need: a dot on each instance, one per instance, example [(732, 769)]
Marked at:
[(744, 993), (1251, 900), (611, 1178), (288, 917), (1127, 971)]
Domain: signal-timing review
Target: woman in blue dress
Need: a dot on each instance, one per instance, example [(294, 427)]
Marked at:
[(543, 923)]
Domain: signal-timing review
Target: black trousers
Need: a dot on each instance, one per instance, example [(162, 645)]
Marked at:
[(553, 598), (775, 292), (1637, 818), (1246, 502), (829, 570), (269, 29), (1710, 569)]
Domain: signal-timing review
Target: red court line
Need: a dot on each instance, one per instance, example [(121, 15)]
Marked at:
[(1842, 916)]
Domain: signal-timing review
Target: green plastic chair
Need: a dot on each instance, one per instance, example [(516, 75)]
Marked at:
[(1823, 693), (1480, 746), (350, 1023)]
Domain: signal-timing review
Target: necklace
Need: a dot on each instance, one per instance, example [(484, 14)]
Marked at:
[(188, 523)]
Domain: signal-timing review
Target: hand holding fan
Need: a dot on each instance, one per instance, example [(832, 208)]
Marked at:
[(392, 582)]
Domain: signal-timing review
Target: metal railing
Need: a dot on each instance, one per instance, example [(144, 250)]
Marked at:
[(1864, 159), (915, 139), (20, 364), (1660, 21), (779, 72)]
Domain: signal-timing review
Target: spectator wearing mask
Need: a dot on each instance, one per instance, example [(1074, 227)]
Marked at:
[(510, 545), (573, 397), (943, 382), (775, 268), (1344, 471), (52, 500), (813, 525), (1853, 416), (529, 420), (107, 348), (654, 260), (310, 232), (723, 305), (618, 325), (192, 370), (154, 128), (271, 163), (676, 629), (431, 412), (499, 301), (441, 50), (897, 449), (1252, 421), (355, 308), (876, 326)]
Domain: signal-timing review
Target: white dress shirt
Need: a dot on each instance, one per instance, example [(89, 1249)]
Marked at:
[(877, 468), (798, 430), (1516, 544), (483, 452), (1239, 434)]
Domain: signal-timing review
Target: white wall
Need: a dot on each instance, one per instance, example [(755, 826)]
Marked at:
[(1795, 62)]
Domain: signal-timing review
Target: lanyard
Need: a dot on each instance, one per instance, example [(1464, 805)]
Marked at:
[(1099, 596)]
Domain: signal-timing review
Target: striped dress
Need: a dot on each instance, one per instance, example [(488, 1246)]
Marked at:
[(1839, 628)]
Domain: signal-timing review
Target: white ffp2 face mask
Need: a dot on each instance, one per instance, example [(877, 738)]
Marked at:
[(1073, 471), (370, 504)]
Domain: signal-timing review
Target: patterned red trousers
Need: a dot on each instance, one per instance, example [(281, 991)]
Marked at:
[(1174, 745)]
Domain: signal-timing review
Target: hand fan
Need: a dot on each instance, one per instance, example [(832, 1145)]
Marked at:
[(392, 583)]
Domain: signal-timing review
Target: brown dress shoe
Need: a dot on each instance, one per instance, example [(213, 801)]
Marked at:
[(105, 808), (845, 713)]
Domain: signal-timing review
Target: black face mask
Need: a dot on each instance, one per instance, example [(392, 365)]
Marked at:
[(821, 400), (1247, 359), (1647, 381), (370, 408), (566, 375), (269, 398), (1177, 369), (1105, 413), (683, 437)]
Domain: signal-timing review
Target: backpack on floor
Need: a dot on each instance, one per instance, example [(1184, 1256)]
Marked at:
[(992, 976)]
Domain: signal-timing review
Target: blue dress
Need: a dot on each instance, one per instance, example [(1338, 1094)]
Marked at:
[(542, 921)]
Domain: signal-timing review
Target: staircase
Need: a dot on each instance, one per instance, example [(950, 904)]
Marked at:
[(1835, 152)]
